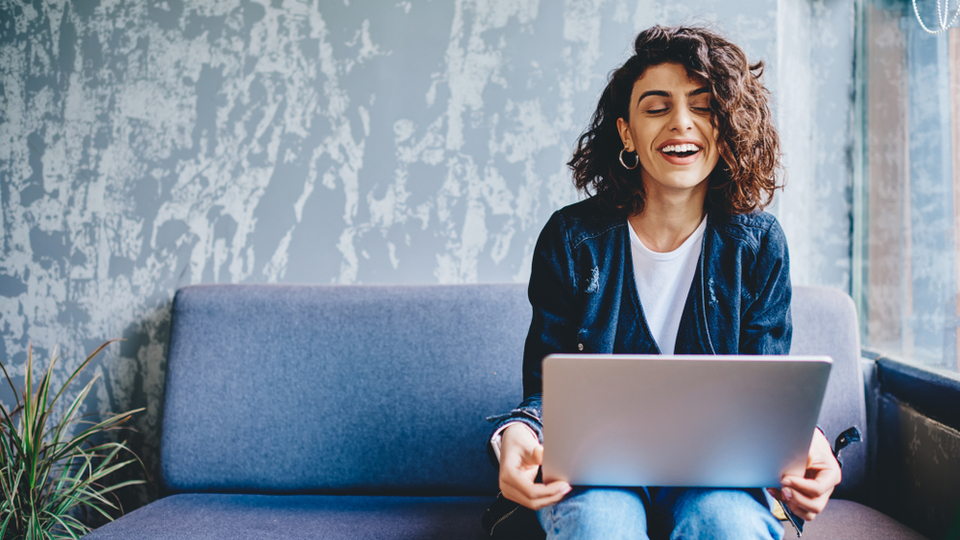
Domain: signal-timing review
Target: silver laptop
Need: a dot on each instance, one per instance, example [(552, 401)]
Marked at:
[(679, 420)]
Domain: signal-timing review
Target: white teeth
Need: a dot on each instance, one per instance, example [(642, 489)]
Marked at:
[(677, 148)]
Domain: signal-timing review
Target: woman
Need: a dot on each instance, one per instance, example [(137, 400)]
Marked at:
[(671, 254)]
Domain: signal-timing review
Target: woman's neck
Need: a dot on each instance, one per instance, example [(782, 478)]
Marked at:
[(664, 225)]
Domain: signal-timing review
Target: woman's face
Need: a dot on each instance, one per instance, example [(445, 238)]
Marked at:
[(671, 130)]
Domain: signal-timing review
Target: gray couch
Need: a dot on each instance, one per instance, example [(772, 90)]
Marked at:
[(359, 412)]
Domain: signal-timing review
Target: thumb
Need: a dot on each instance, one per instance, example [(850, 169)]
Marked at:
[(538, 455)]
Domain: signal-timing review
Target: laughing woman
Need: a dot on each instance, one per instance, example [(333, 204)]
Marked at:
[(680, 160)]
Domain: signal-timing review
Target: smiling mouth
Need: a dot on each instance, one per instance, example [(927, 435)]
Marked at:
[(680, 150)]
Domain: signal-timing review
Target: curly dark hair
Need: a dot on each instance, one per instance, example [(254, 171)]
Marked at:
[(745, 177)]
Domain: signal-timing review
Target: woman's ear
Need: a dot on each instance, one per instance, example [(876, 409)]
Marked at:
[(624, 129)]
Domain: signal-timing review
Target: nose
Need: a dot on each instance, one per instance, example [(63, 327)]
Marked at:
[(681, 120)]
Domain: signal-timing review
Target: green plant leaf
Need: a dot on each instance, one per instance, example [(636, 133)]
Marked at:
[(69, 529), (46, 474), (83, 365), (71, 411), (10, 383), (100, 427), (5, 525)]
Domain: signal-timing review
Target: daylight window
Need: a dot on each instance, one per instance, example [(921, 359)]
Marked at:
[(908, 190)]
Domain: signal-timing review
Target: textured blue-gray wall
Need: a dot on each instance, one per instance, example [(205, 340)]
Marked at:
[(149, 145)]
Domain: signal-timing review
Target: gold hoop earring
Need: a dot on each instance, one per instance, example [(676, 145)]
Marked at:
[(624, 164)]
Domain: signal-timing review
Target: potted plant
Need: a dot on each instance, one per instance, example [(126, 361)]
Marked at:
[(52, 466)]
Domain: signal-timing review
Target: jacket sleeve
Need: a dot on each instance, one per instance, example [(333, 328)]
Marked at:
[(765, 325), (553, 328)]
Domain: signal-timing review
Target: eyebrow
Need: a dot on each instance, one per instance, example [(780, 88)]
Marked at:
[(664, 93)]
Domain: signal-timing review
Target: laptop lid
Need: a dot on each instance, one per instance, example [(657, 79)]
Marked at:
[(679, 420)]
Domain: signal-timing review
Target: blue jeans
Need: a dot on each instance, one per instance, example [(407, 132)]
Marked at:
[(640, 513)]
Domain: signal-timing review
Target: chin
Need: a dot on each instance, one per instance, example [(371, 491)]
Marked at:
[(686, 182)]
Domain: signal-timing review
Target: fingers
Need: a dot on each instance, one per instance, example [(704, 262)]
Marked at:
[(803, 506), (821, 484), (520, 460), (807, 497), (532, 495), (518, 482)]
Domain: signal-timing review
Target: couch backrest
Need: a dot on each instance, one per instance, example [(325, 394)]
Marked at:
[(339, 389), (385, 389), (825, 322)]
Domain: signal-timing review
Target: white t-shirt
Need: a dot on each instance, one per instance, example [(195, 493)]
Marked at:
[(663, 281)]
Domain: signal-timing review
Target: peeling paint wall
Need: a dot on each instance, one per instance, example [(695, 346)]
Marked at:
[(149, 145)]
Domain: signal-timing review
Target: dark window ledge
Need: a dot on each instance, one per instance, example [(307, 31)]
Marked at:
[(934, 393)]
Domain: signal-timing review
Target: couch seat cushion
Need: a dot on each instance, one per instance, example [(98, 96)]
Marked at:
[(853, 521), (323, 517), (295, 517)]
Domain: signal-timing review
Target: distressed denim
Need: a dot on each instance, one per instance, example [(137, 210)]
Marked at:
[(660, 513)]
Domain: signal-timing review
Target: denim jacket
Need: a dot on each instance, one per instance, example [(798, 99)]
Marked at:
[(584, 295), (585, 299)]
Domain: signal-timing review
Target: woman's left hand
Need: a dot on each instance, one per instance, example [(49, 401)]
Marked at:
[(807, 496)]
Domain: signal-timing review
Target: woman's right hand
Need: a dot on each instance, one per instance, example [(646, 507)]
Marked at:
[(521, 455)]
